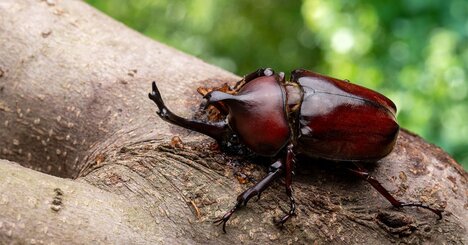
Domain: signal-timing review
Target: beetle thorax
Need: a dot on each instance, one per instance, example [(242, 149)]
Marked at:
[(258, 116)]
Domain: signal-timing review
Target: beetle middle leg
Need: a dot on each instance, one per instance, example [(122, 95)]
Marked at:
[(275, 171), (289, 165), (362, 173)]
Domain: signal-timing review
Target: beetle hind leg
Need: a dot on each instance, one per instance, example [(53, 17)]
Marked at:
[(376, 184)]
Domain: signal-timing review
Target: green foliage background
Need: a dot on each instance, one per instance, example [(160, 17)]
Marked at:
[(413, 51)]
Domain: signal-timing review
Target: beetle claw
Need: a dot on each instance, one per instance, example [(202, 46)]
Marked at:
[(258, 196), (223, 220), (437, 212), (283, 220), (280, 223)]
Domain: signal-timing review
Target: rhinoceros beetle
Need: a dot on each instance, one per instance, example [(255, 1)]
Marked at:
[(311, 114)]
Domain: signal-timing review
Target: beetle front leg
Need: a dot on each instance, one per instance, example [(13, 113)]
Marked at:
[(275, 171), (359, 171), (217, 131), (289, 167)]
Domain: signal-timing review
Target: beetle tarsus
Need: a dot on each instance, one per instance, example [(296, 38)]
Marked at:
[(359, 171), (242, 200), (223, 220), (438, 212), (291, 212)]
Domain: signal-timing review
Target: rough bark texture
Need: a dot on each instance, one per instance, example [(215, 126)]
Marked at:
[(73, 104)]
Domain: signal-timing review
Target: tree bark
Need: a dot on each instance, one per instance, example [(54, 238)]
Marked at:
[(94, 163)]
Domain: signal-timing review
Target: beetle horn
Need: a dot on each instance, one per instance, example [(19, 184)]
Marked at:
[(217, 96)]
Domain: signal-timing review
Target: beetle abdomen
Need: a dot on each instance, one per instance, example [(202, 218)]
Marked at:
[(343, 121)]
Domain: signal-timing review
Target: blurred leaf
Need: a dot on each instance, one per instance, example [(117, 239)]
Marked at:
[(415, 52)]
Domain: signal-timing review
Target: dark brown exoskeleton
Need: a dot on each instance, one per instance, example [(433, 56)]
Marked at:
[(315, 115)]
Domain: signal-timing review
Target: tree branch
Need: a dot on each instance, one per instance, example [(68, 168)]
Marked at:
[(73, 104)]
